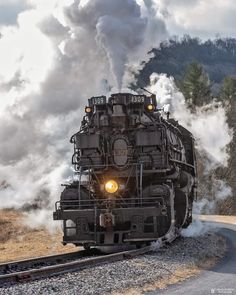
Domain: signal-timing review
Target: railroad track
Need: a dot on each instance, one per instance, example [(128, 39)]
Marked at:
[(44, 267)]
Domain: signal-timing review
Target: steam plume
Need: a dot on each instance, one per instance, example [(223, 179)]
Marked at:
[(54, 57), (211, 131), (202, 124)]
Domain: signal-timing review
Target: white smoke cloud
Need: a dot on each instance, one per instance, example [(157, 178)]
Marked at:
[(211, 131), (195, 17), (207, 205), (196, 228), (116, 31), (56, 56), (208, 125)]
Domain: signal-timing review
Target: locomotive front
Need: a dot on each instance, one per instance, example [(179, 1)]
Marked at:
[(135, 175)]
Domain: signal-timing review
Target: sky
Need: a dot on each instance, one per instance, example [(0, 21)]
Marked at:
[(56, 54), (202, 18)]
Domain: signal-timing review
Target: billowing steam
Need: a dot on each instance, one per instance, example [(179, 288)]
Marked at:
[(54, 57), (211, 131), (112, 32), (208, 125)]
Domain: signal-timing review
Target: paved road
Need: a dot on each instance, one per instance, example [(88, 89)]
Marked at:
[(219, 280)]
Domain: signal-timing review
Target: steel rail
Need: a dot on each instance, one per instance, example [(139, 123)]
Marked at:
[(26, 263), (48, 271)]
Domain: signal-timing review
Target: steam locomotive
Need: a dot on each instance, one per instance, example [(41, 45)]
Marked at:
[(135, 175)]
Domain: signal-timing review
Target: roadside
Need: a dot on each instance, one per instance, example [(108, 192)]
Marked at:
[(219, 279), (218, 218), (17, 241)]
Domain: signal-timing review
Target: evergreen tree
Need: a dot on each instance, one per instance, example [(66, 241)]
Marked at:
[(228, 89), (196, 85), (228, 96)]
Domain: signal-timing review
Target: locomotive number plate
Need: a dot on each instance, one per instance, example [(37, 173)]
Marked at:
[(137, 99), (98, 100)]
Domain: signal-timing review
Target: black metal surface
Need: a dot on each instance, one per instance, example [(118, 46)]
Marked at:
[(125, 138)]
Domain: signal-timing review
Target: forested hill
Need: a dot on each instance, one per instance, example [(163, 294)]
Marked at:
[(218, 58)]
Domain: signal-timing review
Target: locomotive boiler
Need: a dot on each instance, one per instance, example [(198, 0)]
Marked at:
[(135, 175)]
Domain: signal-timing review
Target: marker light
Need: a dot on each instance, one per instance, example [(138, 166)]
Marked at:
[(111, 186), (88, 110), (150, 107)]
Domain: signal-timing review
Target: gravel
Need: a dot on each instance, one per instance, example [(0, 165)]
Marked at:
[(122, 275)]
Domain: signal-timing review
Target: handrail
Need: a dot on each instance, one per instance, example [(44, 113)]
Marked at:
[(99, 203)]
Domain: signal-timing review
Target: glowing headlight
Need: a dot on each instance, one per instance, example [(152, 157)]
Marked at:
[(111, 186), (150, 107), (88, 110)]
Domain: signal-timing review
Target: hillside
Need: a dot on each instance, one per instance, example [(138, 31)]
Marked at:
[(218, 58)]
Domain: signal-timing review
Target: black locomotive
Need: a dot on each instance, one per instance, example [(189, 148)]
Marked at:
[(136, 175)]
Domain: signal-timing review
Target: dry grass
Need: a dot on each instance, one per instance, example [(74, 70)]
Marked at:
[(18, 241)]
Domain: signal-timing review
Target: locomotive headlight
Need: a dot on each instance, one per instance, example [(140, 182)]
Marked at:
[(88, 110), (111, 186), (150, 107)]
